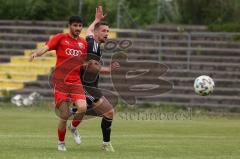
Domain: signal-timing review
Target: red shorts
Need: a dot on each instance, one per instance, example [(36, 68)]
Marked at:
[(70, 95)]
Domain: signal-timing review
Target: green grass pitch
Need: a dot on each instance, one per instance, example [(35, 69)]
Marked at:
[(30, 133)]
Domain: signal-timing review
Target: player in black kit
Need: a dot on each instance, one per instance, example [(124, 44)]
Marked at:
[(97, 33)]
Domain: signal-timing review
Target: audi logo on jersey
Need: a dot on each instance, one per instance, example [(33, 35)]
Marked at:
[(73, 52)]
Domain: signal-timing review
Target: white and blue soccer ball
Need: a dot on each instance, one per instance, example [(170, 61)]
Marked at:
[(204, 85)]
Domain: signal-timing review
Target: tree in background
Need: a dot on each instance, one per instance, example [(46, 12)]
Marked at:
[(141, 12), (12, 9), (37, 9), (168, 11), (206, 11)]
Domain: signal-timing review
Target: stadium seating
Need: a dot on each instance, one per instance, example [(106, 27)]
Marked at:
[(17, 39), (213, 54)]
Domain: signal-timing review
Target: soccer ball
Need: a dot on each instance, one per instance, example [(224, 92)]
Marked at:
[(204, 85)]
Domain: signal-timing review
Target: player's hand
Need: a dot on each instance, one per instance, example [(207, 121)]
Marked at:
[(114, 65), (84, 65), (99, 14), (32, 56)]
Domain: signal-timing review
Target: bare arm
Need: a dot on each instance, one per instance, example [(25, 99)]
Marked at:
[(38, 52), (98, 17), (112, 67), (105, 70)]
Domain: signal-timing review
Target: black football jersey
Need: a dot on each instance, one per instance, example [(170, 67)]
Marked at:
[(93, 53)]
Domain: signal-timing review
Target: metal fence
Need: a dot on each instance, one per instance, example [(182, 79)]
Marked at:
[(190, 37)]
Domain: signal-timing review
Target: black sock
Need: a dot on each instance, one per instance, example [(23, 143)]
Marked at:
[(106, 128)]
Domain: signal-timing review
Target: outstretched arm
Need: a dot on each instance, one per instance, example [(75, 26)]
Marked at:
[(98, 17), (113, 66), (50, 45), (38, 52)]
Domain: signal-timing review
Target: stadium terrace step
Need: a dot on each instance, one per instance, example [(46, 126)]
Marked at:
[(132, 56), (205, 52), (232, 101), (23, 37), (38, 60), (224, 91), (218, 91), (176, 81), (17, 76), (40, 45), (200, 44), (176, 73), (180, 43), (200, 51), (30, 29), (195, 73), (143, 51), (17, 44), (11, 83), (112, 34), (30, 68), (43, 77), (204, 66), (37, 84), (193, 65), (10, 52), (162, 57), (143, 34), (177, 28), (185, 50), (227, 102), (171, 74), (46, 93), (188, 82), (166, 96), (48, 54), (60, 24), (6, 91), (200, 58), (4, 58)]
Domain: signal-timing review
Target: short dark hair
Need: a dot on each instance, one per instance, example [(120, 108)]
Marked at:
[(75, 19), (97, 25)]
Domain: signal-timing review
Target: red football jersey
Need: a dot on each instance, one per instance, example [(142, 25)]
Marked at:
[(70, 55)]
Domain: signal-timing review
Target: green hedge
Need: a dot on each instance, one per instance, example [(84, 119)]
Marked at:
[(207, 11), (228, 27), (143, 12)]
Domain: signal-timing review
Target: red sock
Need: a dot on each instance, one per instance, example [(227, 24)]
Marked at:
[(61, 135), (75, 122)]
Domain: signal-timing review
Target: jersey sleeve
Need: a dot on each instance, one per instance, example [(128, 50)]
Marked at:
[(85, 44), (89, 37), (90, 43), (84, 51), (54, 41)]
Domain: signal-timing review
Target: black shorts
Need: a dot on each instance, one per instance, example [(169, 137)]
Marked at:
[(93, 94)]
